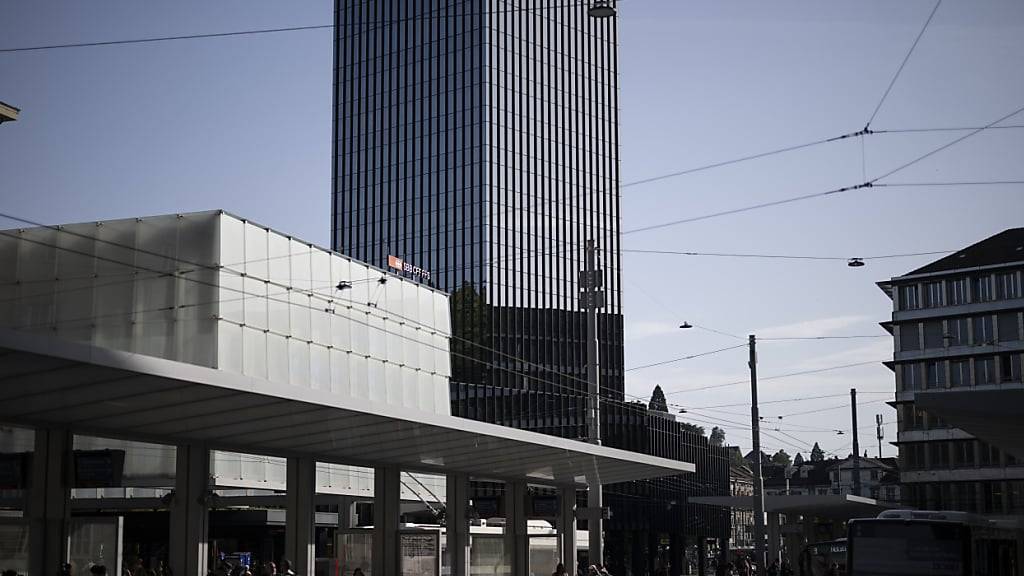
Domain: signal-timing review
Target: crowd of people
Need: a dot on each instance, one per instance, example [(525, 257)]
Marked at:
[(744, 566)]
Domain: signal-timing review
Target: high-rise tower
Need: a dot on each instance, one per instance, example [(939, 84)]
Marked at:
[(478, 141)]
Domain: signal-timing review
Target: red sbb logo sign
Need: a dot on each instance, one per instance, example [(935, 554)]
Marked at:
[(399, 264)]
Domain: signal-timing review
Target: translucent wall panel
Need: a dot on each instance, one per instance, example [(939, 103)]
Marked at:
[(143, 285), (235, 469), (382, 341)]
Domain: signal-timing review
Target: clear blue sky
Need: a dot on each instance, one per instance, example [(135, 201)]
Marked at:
[(244, 124)]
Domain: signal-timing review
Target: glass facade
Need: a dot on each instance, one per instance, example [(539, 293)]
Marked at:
[(479, 141)]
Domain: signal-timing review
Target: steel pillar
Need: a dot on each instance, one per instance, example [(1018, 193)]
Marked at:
[(299, 534), (190, 515), (387, 500), (49, 503), (457, 523)]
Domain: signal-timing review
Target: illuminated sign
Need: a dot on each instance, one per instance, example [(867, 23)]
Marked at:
[(399, 264)]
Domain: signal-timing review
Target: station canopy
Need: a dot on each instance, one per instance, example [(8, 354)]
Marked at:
[(52, 382)]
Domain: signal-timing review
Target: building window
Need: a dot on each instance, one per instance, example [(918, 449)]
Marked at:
[(1009, 367), (1007, 286), (911, 376), (956, 290), (963, 453), (938, 452), (984, 371), (912, 456), (988, 455), (983, 333), (936, 375), (908, 298), (959, 373), (910, 338), (933, 334), (982, 289), (933, 294), (956, 331), (1009, 330)]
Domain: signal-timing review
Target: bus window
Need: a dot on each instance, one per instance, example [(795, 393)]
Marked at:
[(908, 548)]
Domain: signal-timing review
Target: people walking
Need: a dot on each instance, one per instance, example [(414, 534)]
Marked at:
[(559, 570)]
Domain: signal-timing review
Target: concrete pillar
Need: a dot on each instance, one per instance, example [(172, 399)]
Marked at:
[(387, 512), (638, 560), (774, 550), (346, 512), (567, 527), (723, 551), (517, 545), (49, 503), (299, 534), (457, 523), (677, 553), (190, 515)]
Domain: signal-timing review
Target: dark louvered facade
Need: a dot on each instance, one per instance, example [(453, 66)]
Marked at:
[(478, 140)]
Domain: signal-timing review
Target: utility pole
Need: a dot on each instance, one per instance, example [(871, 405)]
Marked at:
[(755, 432), (879, 432), (856, 445), (592, 297)]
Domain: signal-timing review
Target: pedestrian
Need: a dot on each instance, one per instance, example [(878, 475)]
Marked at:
[(286, 568), (834, 569), (559, 570), (358, 572), (592, 571), (602, 570), (98, 570), (270, 569), (773, 570)]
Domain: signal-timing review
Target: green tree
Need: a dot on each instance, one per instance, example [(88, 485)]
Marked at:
[(781, 458), (817, 455), (717, 437), (798, 459), (658, 402), (692, 428)]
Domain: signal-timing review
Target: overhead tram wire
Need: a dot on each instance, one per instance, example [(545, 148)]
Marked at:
[(781, 256), (868, 184), (902, 64), (681, 358), (775, 377), (433, 14), (290, 290)]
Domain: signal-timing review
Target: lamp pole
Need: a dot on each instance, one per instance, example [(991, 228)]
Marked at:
[(592, 297)]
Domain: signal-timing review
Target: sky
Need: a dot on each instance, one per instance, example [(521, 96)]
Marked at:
[(244, 124)]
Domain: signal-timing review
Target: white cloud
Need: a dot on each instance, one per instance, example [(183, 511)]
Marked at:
[(815, 327), (648, 329)]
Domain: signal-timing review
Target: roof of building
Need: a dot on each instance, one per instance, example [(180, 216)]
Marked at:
[(1006, 246)]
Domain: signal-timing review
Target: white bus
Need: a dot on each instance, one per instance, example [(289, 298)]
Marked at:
[(929, 543)]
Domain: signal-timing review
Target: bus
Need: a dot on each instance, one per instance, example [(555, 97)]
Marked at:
[(932, 543)]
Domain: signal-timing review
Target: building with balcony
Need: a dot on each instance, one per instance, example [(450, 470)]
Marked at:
[(957, 332)]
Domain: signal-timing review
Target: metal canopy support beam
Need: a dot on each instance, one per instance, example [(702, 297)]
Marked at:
[(49, 502), (299, 514), (517, 545), (189, 511), (567, 527), (457, 523), (387, 500)]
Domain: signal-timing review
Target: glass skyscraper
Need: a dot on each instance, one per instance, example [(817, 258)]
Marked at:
[(478, 141)]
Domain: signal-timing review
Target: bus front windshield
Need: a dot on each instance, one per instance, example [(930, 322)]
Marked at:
[(907, 548)]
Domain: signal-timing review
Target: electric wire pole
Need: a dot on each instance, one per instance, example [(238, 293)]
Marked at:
[(856, 445), (755, 432), (592, 297)]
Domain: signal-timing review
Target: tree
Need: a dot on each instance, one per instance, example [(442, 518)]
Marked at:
[(817, 455), (717, 436), (658, 402), (798, 460), (699, 430), (781, 458)]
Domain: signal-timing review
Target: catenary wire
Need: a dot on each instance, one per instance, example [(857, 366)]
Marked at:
[(269, 297), (903, 63), (869, 184), (775, 377), (781, 256), (433, 14), (681, 358)]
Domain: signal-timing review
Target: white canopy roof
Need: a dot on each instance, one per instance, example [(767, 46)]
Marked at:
[(50, 382)]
